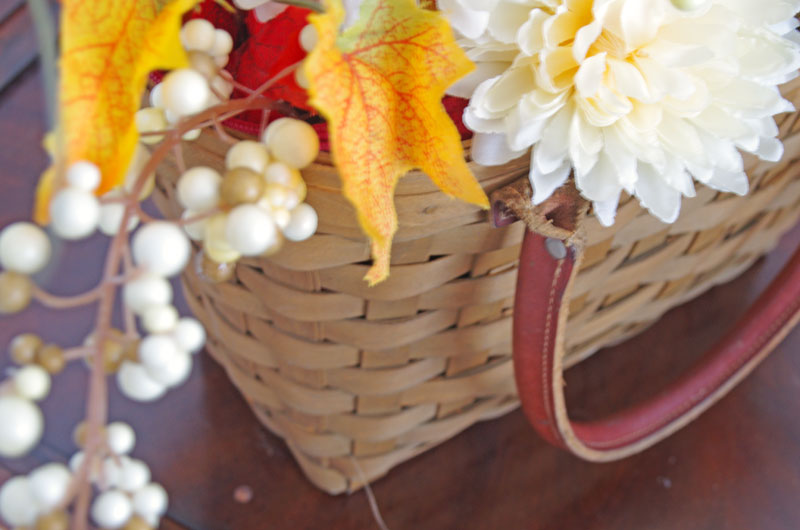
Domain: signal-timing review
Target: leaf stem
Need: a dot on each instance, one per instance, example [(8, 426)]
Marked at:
[(44, 26)]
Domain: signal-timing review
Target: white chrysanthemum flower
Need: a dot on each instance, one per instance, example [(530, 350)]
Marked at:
[(633, 95)]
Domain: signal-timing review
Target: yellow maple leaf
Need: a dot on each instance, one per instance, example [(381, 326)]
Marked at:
[(379, 85), (108, 48)]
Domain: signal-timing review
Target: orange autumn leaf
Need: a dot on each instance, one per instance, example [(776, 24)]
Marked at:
[(108, 49), (379, 85)]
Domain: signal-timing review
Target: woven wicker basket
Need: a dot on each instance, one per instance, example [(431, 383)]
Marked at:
[(346, 373)]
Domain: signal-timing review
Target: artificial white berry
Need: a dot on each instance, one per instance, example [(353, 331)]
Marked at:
[(49, 484), (145, 291), (76, 461), (247, 153), (197, 229), (292, 200), (150, 120), (83, 175), (189, 334), (135, 383), (184, 92), (161, 248), (250, 230), (150, 501), (302, 223), (215, 244), (198, 189), (21, 426), (301, 78), (111, 215), (32, 382), (174, 371), (292, 141), (277, 195), (155, 351), (192, 135), (112, 470), (112, 509), (155, 96), (282, 217), (172, 118), (222, 86), (24, 248), (198, 34), (223, 44), (17, 504), (121, 437), (280, 173), (134, 475), (74, 213), (308, 37), (159, 318)]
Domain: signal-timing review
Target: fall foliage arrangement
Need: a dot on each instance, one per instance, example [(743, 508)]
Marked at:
[(621, 97)]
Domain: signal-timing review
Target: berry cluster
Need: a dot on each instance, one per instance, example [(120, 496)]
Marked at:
[(258, 201), (189, 90), (248, 210), (29, 383), (129, 499)]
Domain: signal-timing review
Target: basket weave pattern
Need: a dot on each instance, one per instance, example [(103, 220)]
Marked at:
[(357, 377)]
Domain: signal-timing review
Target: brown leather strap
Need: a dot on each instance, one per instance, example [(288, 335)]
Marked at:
[(548, 266)]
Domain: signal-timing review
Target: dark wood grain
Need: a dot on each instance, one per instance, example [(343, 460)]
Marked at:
[(738, 467), (17, 42), (7, 7)]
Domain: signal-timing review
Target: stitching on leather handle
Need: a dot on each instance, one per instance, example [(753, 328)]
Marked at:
[(546, 368)]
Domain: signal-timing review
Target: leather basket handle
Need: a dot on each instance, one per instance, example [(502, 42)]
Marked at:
[(549, 261)]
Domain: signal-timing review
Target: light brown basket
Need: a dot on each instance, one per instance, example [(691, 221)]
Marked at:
[(357, 377)]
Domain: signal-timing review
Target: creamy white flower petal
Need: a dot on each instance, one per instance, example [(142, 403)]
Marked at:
[(492, 150), (731, 182), (466, 86), (629, 80), (660, 199), (621, 156), (584, 38), (549, 153), (770, 149), (505, 23), (590, 75), (606, 211), (469, 22), (524, 128), (508, 89), (585, 143), (641, 20), (544, 184), (530, 37), (600, 183)]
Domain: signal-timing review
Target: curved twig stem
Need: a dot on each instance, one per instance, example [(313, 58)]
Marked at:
[(66, 302), (119, 257)]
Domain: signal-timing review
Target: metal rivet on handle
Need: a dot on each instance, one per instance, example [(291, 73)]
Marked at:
[(556, 248)]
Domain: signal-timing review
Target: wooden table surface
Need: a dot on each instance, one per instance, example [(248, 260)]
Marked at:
[(737, 467)]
